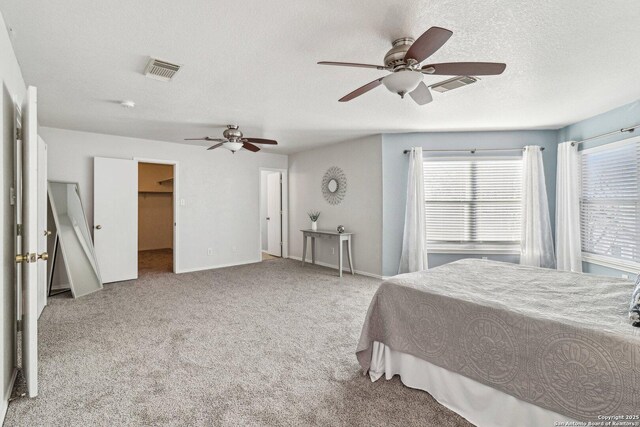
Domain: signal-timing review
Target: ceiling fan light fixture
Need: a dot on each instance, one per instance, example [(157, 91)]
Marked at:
[(403, 81), (232, 146)]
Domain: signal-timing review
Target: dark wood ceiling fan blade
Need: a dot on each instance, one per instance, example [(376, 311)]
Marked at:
[(260, 141), (361, 90), (215, 146), (352, 64), (421, 95), (466, 68), (428, 43), (250, 147)]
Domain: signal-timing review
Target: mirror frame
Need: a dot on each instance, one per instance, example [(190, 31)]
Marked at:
[(334, 173), (61, 245)]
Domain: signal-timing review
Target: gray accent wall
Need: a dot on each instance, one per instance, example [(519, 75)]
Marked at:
[(622, 117), (361, 210), (395, 165)]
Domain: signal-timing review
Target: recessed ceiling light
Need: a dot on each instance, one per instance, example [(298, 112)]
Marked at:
[(128, 104)]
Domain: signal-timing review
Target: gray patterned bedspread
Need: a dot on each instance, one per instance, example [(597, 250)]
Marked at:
[(559, 340)]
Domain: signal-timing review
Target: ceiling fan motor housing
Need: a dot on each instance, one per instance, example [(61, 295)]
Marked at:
[(232, 133), (395, 56)]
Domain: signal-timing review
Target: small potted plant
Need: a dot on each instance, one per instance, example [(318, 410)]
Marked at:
[(313, 216)]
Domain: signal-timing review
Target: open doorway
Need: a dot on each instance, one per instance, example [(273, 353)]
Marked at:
[(156, 200), (273, 214)]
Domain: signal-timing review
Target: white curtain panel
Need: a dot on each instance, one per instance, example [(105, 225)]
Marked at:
[(537, 242), (568, 244), (414, 245)]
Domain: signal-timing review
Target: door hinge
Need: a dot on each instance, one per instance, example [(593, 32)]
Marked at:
[(19, 134), (12, 196), (281, 243), (19, 325), (28, 257), (19, 229)]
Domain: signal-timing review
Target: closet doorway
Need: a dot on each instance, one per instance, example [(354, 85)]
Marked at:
[(273, 214), (156, 217)]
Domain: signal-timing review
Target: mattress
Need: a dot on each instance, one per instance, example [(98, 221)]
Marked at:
[(558, 340)]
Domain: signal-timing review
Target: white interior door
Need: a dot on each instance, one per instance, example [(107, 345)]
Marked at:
[(115, 218), (28, 182), (43, 233), (274, 214)]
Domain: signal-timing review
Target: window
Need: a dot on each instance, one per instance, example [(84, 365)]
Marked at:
[(610, 204), (473, 204)]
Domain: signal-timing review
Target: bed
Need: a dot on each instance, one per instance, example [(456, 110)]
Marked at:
[(504, 344)]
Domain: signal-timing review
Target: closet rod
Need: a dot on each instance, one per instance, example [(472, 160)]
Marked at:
[(623, 130), (473, 150)]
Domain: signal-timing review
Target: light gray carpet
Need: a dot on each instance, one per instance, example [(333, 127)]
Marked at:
[(268, 344)]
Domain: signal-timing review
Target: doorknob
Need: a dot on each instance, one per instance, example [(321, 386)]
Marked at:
[(47, 233), (43, 256), (98, 227), (268, 218)]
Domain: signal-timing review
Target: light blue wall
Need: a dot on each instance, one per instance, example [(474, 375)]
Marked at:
[(394, 179), (622, 117)]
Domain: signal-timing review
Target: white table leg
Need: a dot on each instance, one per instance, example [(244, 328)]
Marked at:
[(340, 257), (313, 250), (349, 254), (304, 248)]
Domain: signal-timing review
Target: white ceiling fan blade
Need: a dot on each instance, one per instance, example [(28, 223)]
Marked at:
[(421, 95)]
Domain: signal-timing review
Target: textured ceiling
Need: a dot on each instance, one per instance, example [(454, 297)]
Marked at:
[(253, 62)]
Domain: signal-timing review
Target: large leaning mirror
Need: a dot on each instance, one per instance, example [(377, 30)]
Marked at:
[(75, 238)]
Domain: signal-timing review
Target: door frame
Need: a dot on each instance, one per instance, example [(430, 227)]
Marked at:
[(284, 174), (176, 203), (17, 216)]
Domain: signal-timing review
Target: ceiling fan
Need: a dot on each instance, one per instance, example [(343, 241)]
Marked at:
[(234, 141), (403, 60)]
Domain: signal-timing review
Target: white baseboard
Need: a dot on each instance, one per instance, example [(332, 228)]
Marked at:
[(335, 267), (214, 267), (324, 264), (4, 405)]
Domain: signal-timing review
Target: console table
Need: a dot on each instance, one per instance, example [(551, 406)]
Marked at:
[(329, 235)]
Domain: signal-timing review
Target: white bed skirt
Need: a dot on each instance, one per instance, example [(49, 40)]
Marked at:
[(480, 404)]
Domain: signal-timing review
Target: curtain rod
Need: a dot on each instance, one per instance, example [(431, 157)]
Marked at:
[(623, 130), (473, 150)]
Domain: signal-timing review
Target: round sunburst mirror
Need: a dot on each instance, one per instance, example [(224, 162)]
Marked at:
[(334, 185)]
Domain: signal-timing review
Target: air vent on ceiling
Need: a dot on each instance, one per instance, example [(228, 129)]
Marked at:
[(454, 83), (161, 70)]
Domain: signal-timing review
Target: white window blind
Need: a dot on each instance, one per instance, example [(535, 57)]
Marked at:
[(610, 202), (473, 203)]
